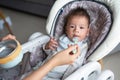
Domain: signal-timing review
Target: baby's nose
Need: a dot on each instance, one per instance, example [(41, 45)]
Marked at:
[(76, 30)]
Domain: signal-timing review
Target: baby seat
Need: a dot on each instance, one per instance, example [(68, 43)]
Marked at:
[(104, 24)]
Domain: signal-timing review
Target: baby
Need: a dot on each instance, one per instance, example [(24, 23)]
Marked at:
[(76, 32)]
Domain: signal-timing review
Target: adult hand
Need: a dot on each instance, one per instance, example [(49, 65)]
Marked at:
[(64, 57), (9, 36)]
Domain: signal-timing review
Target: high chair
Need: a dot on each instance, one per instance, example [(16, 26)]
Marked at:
[(103, 31)]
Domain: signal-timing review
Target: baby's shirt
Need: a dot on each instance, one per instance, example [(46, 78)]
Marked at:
[(63, 43)]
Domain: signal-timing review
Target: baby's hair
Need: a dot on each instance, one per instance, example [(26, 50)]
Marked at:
[(77, 12)]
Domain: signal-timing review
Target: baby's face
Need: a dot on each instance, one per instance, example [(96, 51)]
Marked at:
[(77, 26)]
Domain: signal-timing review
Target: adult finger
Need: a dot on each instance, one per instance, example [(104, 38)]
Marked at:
[(72, 47)]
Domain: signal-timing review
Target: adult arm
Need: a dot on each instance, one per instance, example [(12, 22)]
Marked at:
[(56, 60)]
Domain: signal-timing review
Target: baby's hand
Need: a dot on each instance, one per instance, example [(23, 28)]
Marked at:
[(52, 44)]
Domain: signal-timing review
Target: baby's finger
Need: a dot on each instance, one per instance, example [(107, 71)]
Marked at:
[(55, 39), (54, 42), (52, 48), (54, 45)]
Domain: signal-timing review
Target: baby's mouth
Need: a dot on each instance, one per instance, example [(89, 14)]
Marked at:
[(75, 36)]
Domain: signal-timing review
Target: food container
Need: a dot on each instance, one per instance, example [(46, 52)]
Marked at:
[(10, 53)]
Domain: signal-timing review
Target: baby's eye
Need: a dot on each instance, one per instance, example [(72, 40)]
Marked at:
[(81, 27), (71, 26)]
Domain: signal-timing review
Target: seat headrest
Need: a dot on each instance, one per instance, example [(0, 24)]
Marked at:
[(100, 21)]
